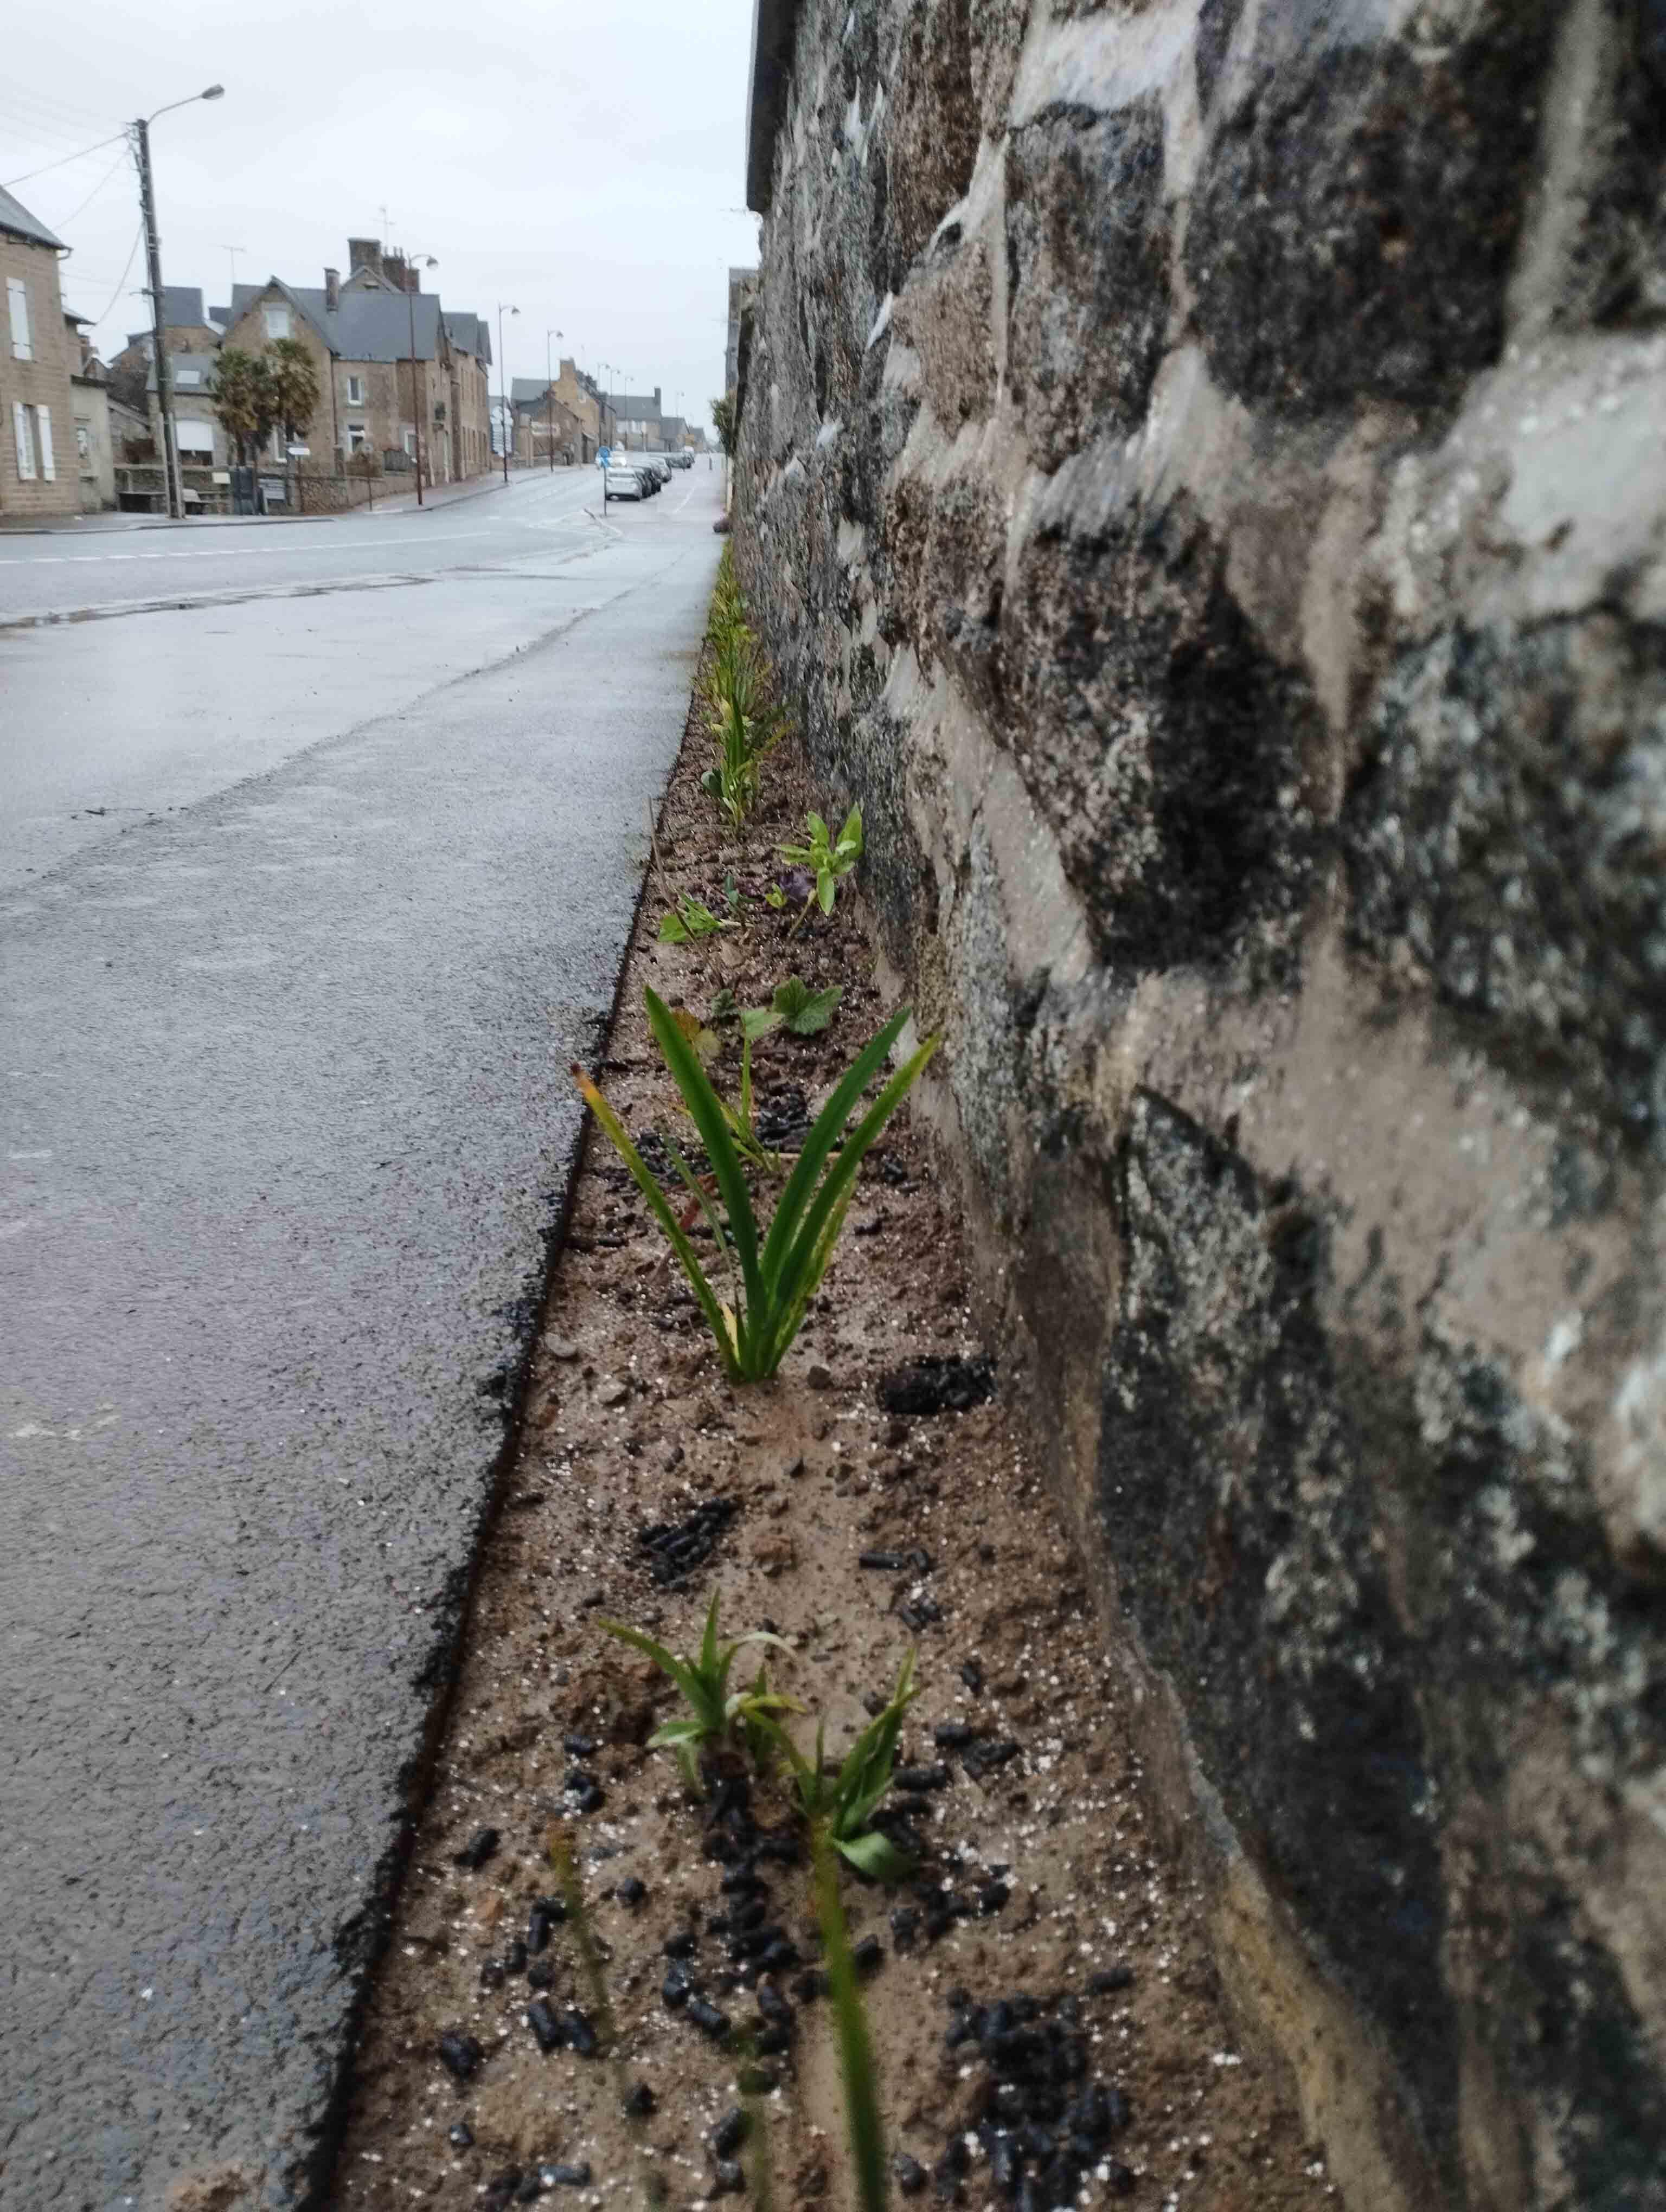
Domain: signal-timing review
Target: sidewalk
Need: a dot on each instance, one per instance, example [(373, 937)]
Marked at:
[(403, 502)]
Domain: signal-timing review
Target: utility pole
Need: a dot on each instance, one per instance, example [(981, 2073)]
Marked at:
[(550, 398), (153, 255)]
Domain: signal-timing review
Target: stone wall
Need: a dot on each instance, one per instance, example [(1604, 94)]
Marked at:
[(1203, 472)]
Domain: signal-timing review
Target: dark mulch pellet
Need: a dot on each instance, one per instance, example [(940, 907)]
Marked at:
[(459, 2054), (676, 1548), (971, 1673), (987, 1758), (641, 2104), (460, 2136), (631, 1892), (500, 2190), (920, 1779), (707, 2019), (477, 1850), (909, 2173), (676, 1989), (729, 2178), (565, 2177), (682, 1945), (730, 2132), (1107, 1983), (545, 2024), (934, 1385), (867, 1955), (545, 1916)]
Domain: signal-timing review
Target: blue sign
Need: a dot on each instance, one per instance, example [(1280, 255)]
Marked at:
[(604, 456)]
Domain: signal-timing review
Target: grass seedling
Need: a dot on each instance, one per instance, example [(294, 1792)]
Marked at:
[(745, 722), (840, 1805), (704, 1682), (827, 859), (563, 1859), (856, 2066), (774, 1276)]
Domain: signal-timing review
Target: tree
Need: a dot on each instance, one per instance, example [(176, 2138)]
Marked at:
[(295, 387), (245, 400), (723, 414)]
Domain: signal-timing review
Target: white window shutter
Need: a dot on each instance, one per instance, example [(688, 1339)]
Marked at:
[(17, 300), (20, 426), (43, 417)]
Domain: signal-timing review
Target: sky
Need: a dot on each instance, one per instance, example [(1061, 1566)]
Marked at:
[(586, 165)]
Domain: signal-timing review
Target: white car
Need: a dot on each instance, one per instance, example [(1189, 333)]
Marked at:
[(621, 484)]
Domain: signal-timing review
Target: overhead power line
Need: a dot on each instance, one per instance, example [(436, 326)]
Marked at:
[(63, 162)]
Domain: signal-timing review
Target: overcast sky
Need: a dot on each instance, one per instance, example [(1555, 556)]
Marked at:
[(584, 164)]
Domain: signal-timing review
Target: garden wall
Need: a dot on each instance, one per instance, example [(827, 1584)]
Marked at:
[(1203, 473)]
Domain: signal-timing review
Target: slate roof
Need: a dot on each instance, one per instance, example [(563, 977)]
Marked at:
[(15, 218), (522, 388), (634, 406), (472, 332), (368, 325)]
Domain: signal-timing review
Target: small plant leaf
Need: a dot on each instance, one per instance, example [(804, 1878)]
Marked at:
[(672, 930), (875, 1856), (806, 1012), (705, 1042), (758, 1021)]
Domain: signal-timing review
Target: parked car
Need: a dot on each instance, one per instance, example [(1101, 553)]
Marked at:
[(622, 484)]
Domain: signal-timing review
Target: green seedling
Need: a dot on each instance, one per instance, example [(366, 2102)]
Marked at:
[(856, 2065), (774, 1276), (713, 1708), (828, 861), (692, 919), (745, 722), (795, 1007), (840, 1804)]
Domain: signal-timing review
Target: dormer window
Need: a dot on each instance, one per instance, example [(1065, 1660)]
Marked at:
[(277, 322)]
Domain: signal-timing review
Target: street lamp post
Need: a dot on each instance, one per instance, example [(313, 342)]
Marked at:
[(153, 254), (503, 379), (415, 261), (550, 398)]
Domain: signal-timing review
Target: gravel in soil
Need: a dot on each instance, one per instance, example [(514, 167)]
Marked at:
[(1045, 2011)]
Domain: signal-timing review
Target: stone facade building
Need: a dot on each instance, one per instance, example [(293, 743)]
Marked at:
[(1201, 476), (394, 370), (39, 353)]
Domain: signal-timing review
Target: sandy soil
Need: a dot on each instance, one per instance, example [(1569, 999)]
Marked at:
[(1038, 1885)]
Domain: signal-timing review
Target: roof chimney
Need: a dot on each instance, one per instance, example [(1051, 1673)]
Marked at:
[(364, 253), (332, 289), (656, 399)]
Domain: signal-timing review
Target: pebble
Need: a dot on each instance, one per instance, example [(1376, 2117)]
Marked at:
[(477, 1850), (459, 2054), (819, 1378), (614, 1394)]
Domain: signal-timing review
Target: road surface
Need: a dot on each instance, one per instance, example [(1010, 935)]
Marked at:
[(306, 904)]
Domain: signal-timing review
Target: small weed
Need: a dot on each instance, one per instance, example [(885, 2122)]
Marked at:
[(745, 721), (840, 1805), (692, 919), (775, 1276), (704, 1682), (794, 1007), (828, 861)]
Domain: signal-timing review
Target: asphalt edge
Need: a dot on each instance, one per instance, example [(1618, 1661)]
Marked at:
[(362, 1942)]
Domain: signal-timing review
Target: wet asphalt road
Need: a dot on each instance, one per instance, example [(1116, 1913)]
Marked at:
[(286, 1130)]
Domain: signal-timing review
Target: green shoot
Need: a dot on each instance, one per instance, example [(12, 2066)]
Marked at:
[(704, 1682), (856, 2066), (776, 1275), (829, 860), (692, 919), (795, 1006), (841, 1805)]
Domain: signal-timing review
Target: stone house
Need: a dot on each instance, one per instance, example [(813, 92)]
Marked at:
[(638, 420), (543, 419), (582, 397), (394, 370), (96, 459), (39, 354), (187, 327)]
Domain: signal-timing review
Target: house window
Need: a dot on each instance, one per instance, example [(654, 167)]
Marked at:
[(83, 441), (408, 437), (32, 434), (187, 377), (355, 392), (358, 435), (278, 323), (17, 300), (194, 438)]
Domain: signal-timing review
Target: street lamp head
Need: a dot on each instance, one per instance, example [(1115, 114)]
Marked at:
[(214, 92)]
